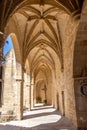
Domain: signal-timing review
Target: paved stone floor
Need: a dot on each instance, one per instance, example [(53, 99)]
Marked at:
[(40, 118)]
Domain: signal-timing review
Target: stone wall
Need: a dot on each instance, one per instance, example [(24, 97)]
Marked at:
[(12, 88), (81, 101), (80, 69)]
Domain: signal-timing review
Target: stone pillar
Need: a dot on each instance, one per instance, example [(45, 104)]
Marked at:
[(19, 96), (19, 99), (8, 100), (29, 106), (32, 92), (8, 85), (27, 91)]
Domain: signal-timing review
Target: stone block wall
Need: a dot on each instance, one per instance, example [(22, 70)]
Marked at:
[(81, 102)]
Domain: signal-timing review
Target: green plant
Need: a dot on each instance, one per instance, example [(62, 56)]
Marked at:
[(39, 99), (45, 101)]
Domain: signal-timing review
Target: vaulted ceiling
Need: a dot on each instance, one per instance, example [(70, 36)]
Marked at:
[(37, 23)]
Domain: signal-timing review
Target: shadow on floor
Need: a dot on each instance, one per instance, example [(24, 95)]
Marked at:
[(41, 114), (62, 124), (41, 108)]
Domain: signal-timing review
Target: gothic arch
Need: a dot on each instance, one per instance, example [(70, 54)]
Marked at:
[(16, 47)]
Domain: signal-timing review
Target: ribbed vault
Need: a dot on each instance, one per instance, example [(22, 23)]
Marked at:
[(41, 28), (41, 60), (39, 14), (36, 25)]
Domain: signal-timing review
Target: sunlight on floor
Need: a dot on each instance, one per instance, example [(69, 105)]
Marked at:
[(37, 117), (39, 110), (36, 121)]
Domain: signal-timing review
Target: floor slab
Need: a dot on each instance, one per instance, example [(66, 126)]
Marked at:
[(40, 118)]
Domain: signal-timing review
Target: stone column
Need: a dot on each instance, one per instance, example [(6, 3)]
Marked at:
[(35, 94), (8, 85), (29, 106), (19, 99), (27, 91), (19, 96), (32, 92)]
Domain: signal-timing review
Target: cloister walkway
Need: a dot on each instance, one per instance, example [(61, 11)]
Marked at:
[(40, 118)]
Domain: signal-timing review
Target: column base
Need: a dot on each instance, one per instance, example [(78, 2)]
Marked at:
[(5, 118)]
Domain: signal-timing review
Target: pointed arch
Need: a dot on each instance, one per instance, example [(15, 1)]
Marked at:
[(16, 47)]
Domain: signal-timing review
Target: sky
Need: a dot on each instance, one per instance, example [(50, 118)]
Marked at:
[(8, 45)]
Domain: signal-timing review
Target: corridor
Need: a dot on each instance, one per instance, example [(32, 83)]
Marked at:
[(40, 118)]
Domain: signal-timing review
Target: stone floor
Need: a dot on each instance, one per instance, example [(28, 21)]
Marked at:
[(40, 118)]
